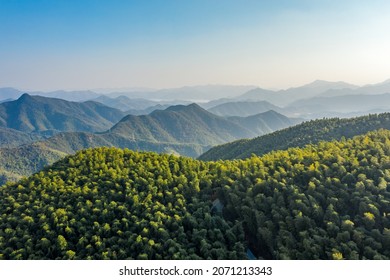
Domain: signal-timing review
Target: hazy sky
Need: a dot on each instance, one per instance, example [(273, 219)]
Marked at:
[(65, 44)]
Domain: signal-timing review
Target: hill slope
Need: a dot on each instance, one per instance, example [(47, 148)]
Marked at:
[(180, 124), (36, 113), (11, 138), (329, 201), (299, 135), (264, 123)]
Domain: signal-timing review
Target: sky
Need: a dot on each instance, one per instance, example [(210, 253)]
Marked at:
[(88, 44)]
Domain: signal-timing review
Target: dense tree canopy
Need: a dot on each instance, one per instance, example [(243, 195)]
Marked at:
[(325, 201), (310, 132)]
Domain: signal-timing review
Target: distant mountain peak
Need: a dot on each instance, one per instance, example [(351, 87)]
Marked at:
[(24, 96), (323, 83), (185, 107), (385, 82)]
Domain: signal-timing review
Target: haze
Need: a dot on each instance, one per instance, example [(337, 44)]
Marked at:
[(49, 45)]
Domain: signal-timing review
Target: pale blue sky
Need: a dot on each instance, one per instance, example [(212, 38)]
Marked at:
[(66, 44)]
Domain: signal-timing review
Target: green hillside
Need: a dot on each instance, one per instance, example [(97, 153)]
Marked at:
[(299, 135), (325, 201), (181, 124), (25, 160), (10, 138), (37, 113)]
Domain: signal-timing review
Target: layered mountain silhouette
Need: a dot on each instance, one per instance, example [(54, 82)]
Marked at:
[(344, 104), (284, 97), (125, 103), (243, 108)]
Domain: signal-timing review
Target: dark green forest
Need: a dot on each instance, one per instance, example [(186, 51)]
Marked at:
[(325, 201), (309, 132)]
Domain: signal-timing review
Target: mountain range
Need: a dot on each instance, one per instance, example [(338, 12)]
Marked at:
[(51, 127), (36, 113), (343, 104), (188, 93), (292, 100), (285, 97), (185, 130), (243, 108), (291, 189)]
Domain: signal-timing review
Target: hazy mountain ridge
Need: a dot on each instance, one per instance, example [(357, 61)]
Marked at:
[(345, 103), (125, 103), (285, 97), (187, 93), (266, 122), (243, 108)]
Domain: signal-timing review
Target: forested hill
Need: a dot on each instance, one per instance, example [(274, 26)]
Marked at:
[(299, 136), (192, 124), (12, 138), (181, 124), (326, 201), (37, 113)]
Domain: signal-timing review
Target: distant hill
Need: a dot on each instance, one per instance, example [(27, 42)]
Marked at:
[(192, 124), (243, 108), (10, 138), (137, 106), (376, 89), (148, 110), (180, 124), (80, 95), (9, 93), (125, 103), (298, 136), (36, 113), (259, 94), (284, 97), (6, 100), (191, 93), (76, 95), (266, 122), (317, 106)]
